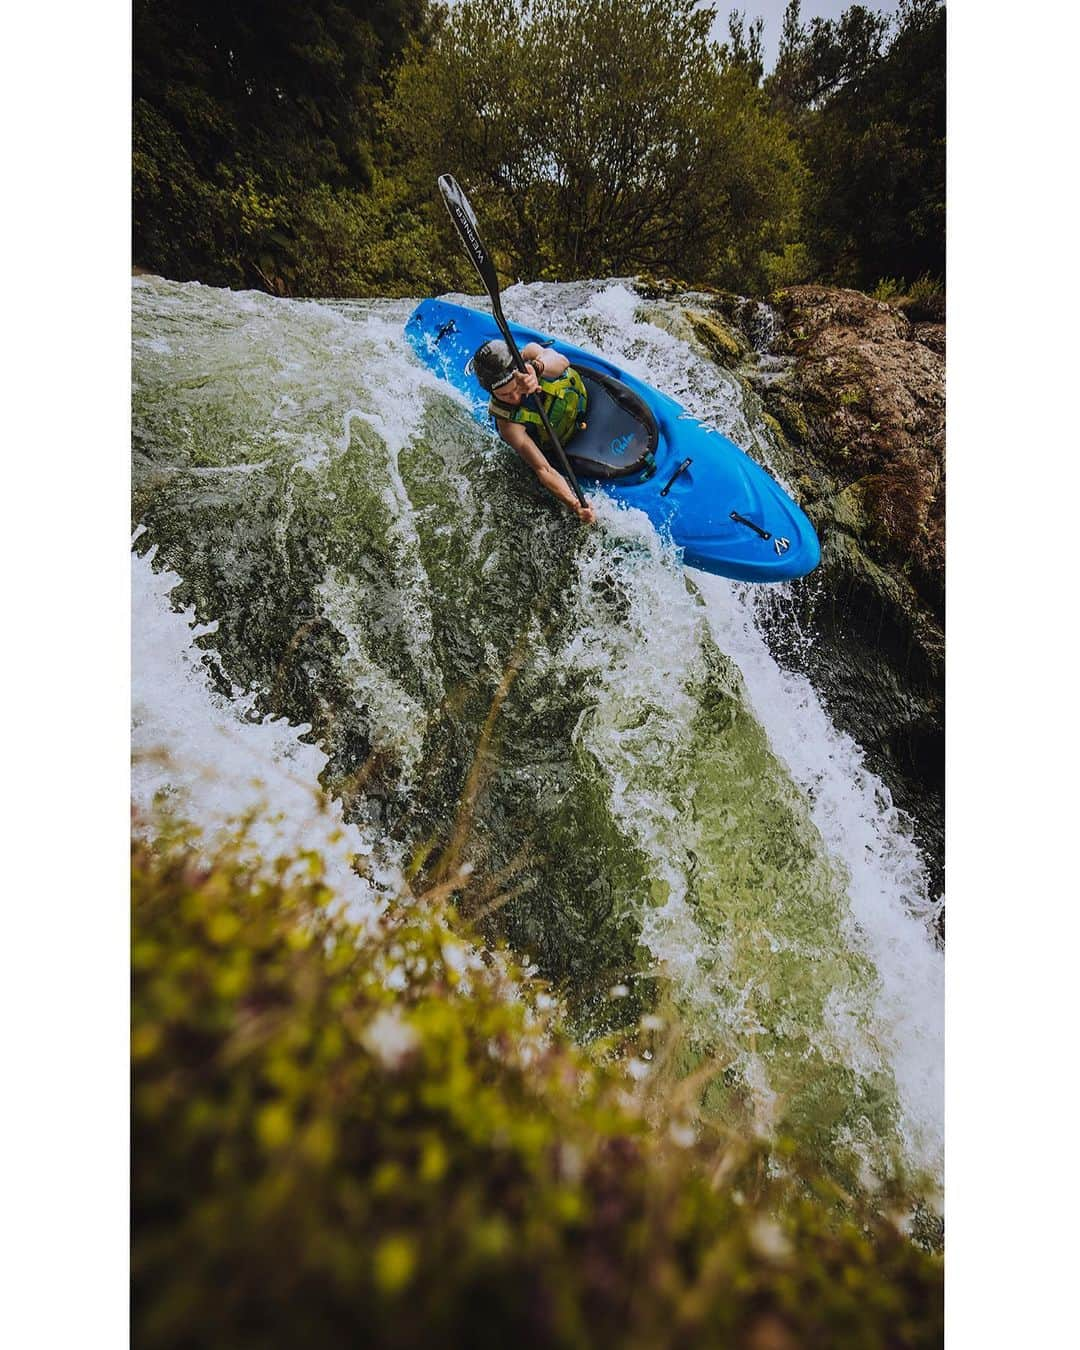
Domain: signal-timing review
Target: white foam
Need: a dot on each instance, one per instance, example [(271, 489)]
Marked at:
[(890, 907), (202, 757)]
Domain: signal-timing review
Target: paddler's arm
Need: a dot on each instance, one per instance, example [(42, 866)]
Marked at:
[(515, 435), (552, 363)]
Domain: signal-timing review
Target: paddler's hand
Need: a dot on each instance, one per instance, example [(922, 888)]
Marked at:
[(585, 514), (521, 385)]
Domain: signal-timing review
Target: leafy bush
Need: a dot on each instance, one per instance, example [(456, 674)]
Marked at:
[(385, 1138), (887, 289), (790, 267), (348, 243)]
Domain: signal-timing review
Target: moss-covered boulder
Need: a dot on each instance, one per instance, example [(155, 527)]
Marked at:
[(384, 1138), (724, 344)]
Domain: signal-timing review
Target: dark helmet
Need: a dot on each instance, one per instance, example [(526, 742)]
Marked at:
[(493, 364)]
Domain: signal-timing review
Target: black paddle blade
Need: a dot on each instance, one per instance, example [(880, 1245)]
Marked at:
[(464, 218)]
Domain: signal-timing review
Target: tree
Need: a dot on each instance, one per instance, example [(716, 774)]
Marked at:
[(239, 107), (618, 138), (816, 62), (869, 113), (745, 48)]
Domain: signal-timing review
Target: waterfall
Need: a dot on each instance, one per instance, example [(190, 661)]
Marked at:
[(343, 582)]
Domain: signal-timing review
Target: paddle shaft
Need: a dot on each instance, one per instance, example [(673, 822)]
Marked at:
[(461, 213)]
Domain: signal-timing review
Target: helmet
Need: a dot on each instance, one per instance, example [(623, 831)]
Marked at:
[(493, 364)]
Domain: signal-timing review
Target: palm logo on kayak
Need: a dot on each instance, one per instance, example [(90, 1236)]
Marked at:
[(621, 444)]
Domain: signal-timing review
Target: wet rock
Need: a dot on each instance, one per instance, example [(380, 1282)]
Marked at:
[(931, 334), (670, 320), (726, 346), (870, 387)]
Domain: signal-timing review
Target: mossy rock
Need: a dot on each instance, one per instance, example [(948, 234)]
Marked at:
[(844, 511), (668, 318), (652, 287), (720, 341), (790, 415)]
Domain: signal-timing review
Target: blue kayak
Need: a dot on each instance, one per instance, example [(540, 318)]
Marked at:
[(720, 507)]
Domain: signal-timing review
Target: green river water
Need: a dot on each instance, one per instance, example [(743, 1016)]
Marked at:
[(644, 799)]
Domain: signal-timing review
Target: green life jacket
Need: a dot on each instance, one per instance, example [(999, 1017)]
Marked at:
[(563, 399)]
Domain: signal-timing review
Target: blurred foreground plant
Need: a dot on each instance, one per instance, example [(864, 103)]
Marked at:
[(384, 1137)]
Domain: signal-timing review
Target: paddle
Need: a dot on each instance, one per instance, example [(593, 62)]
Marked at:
[(461, 213)]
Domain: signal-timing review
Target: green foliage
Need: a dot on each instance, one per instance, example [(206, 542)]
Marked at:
[(870, 119), (369, 243), (923, 299), (615, 140), (790, 267), (925, 289), (817, 61), (745, 46), (294, 145), (887, 288), (383, 1137), (239, 110)]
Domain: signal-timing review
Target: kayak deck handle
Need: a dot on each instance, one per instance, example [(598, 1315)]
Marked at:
[(449, 327), (764, 534), (682, 467)]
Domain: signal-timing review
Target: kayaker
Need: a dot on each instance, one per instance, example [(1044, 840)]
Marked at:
[(564, 399)]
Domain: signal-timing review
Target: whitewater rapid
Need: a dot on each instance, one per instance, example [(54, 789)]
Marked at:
[(891, 910), (764, 870)]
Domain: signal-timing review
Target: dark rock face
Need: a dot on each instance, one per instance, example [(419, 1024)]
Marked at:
[(861, 402)]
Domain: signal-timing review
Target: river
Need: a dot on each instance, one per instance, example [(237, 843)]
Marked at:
[(341, 580)]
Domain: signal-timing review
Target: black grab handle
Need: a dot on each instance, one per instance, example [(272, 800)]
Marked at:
[(755, 527), (667, 486)]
